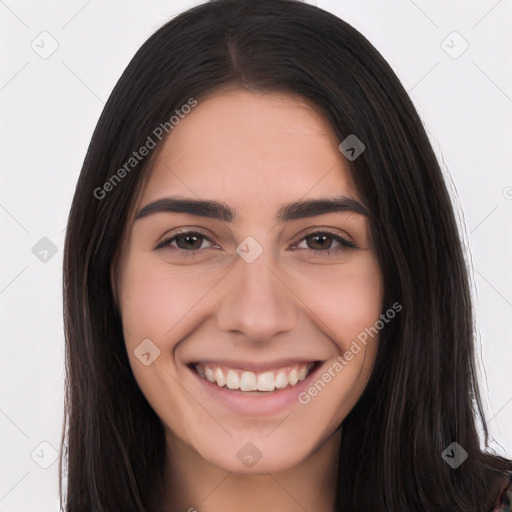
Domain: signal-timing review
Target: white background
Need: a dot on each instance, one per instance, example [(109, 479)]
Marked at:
[(49, 108)]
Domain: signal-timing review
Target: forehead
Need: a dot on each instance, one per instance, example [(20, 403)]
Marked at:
[(250, 147)]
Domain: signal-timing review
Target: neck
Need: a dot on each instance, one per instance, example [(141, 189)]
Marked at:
[(191, 483)]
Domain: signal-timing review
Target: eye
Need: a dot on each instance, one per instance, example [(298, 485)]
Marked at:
[(186, 242), (322, 242), (190, 242)]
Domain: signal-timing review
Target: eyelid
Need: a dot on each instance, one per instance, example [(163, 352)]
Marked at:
[(343, 241), (168, 238)]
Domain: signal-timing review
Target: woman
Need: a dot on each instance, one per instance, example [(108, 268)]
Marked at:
[(266, 301)]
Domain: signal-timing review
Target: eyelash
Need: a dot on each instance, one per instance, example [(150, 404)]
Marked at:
[(344, 243)]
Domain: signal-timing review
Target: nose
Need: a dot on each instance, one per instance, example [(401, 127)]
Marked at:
[(256, 301)]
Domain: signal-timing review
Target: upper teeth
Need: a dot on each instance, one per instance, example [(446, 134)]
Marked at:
[(254, 381)]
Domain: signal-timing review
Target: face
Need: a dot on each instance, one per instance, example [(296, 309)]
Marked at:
[(237, 317)]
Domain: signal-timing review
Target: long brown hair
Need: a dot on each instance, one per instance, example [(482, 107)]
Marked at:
[(423, 392)]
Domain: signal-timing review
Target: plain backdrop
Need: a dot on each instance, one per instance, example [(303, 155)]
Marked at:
[(60, 61)]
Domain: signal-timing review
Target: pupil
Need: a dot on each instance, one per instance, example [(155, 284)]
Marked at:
[(323, 238), (189, 241)]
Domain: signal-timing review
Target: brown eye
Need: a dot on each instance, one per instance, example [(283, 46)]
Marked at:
[(186, 242), (189, 241), (322, 242)]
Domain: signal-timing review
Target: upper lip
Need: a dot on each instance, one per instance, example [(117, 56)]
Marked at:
[(254, 366)]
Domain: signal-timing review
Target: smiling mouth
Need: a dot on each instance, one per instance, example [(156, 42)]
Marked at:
[(237, 379)]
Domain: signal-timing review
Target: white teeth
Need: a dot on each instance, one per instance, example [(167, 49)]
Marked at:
[(209, 374), (248, 382), (301, 374), (266, 381), (253, 381), (292, 377), (281, 380), (232, 380), (219, 377)]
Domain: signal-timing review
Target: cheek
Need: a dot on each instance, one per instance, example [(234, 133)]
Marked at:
[(348, 304), (153, 301), (350, 301)]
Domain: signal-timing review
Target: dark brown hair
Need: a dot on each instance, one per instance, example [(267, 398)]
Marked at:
[(422, 394)]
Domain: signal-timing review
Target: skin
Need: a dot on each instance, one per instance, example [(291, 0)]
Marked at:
[(255, 152)]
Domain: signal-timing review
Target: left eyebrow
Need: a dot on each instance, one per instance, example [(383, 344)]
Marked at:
[(222, 211)]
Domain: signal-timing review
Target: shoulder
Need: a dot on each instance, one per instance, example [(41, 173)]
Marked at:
[(504, 501)]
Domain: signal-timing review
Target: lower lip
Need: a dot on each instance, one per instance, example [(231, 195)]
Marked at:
[(264, 404)]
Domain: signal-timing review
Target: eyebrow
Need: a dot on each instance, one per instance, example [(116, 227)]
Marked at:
[(221, 211)]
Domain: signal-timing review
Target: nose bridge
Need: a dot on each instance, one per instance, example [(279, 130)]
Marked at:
[(255, 301)]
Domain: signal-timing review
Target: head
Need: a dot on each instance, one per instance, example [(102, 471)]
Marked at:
[(293, 301), (246, 104)]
